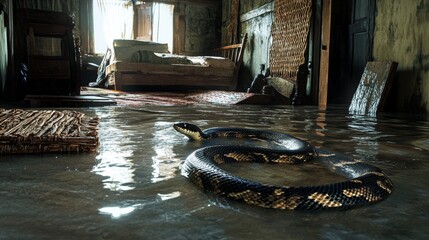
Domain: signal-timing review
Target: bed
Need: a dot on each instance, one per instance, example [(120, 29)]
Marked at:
[(136, 64)]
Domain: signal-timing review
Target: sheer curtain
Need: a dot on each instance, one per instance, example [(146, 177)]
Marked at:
[(162, 24), (113, 19)]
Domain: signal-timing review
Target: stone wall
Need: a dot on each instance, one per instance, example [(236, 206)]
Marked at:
[(402, 35)]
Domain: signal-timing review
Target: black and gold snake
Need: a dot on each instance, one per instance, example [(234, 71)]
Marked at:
[(366, 184)]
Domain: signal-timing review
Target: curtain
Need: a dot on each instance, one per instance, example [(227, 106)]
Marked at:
[(162, 24), (53, 5), (113, 19), (3, 53)]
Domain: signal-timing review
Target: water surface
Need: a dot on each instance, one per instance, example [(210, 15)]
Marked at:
[(132, 188)]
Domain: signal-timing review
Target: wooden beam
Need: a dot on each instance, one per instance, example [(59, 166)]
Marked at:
[(324, 56), (269, 7), (11, 85), (86, 27), (179, 29), (208, 2)]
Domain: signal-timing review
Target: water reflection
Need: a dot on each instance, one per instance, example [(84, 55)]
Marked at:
[(117, 212), (115, 157), (365, 135), (165, 163), (321, 123), (116, 168), (169, 196)]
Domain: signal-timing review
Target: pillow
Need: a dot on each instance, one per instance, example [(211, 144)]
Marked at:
[(123, 49), (219, 62), (158, 58)]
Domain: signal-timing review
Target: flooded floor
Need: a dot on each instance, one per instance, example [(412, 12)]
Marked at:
[(132, 188)]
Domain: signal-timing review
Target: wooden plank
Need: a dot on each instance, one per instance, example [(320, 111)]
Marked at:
[(90, 22), (205, 2), (374, 86), (324, 56), (163, 79), (13, 89), (49, 69), (267, 8), (143, 30), (233, 46), (233, 52), (180, 70), (180, 29)]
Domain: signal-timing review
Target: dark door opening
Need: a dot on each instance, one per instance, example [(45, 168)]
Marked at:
[(351, 47)]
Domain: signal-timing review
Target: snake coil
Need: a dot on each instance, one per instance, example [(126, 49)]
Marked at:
[(365, 184)]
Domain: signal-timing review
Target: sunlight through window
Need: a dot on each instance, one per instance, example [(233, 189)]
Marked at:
[(112, 20), (115, 20)]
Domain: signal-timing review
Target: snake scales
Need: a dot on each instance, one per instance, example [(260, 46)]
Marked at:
[(365, 184)]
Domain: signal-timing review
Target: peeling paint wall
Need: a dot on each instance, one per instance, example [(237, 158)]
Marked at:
[(201, 29), (256, 21), (258, 46), (402, 35)]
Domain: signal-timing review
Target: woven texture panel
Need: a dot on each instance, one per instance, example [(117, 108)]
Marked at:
[(47, 131), (289, 33)]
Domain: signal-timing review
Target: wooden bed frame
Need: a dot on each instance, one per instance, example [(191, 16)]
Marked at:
[(129, 75)]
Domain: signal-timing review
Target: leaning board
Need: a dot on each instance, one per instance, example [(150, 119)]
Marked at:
[(374, 86)]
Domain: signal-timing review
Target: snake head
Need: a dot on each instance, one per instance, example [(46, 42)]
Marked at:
[(192, 131)]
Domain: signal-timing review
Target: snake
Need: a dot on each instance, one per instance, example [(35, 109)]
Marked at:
[(364, 183)]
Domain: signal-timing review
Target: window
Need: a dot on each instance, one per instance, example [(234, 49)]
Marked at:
[(155, 23), (162, 24), (113, 19)]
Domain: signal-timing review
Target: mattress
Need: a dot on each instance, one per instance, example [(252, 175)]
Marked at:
[(166, 69)]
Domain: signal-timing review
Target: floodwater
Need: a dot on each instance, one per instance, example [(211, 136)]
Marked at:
[(132, 188)]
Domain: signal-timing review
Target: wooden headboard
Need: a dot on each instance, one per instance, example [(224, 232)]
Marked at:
[(233, 52)]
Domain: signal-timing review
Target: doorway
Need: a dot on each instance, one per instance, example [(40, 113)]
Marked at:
[(352, 30)]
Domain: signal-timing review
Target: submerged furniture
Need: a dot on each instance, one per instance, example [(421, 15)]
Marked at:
[(47, 52), (144, 67)]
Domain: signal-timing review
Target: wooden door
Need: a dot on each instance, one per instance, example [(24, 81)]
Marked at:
[(360, 33), (351, 47), (144, 22), (325, 41)]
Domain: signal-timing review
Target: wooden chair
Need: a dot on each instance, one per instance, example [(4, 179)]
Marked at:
[(44, 42), (234, 52)]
